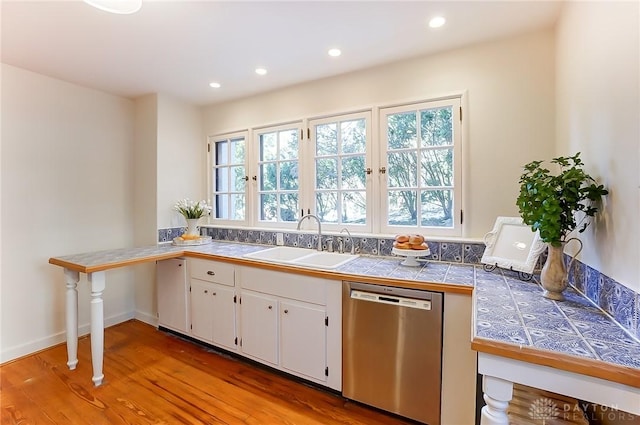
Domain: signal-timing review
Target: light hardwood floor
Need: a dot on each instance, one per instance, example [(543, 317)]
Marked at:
[(152, 377)]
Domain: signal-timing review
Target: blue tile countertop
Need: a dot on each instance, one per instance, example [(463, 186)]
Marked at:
[(511, 318)]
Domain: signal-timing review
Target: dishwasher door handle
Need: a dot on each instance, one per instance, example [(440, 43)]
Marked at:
[(391, 299)]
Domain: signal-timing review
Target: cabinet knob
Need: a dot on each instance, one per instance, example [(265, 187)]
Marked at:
[(286, 311), (270, 307), (206, 291), (214, 294), (211, 273)]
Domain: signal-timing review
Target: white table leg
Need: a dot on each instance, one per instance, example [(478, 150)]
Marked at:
[(72, 278), (497, 394), (97, 281)]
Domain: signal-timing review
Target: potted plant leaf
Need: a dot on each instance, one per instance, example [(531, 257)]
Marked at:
[(555, 205)]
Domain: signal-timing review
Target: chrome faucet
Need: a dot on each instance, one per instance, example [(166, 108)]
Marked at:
[(353, 247), (309, 216)]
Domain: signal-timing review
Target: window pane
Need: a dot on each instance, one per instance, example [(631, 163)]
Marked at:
[(238, 178), (354, 207), (289, 144), (289, 175), (401, 130), (238, 202), (437, 208), (237, 151), (222, 206), (268, 147), (436, 127), (222, 153), (326, 174), (326, 139), (402, 169), (353, 136), (437, 167), (268, 176), (402, 207), (268, 207), (288, 206), (222, 179), (326, 207), (353, 173)]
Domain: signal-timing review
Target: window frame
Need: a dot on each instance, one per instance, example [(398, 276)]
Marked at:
[(255, 159), (310, 164), (456, 230), (211, 166)]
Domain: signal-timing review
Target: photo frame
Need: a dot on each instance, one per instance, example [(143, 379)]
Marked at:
[(512, 245)]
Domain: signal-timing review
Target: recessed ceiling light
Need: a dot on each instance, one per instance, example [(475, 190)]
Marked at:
[(437, 22), (334, 52), (215, 85), (123, 7), (261, 71)]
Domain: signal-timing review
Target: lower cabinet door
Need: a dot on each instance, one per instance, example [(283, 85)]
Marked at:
[(172, 294), (201, 310), (224, 317), (303, 339), (259, 326)]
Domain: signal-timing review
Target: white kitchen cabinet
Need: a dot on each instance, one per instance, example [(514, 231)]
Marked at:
[(213, 313), (213, 302), (259, 329), (292, 323), (303, 339), (172, 290)]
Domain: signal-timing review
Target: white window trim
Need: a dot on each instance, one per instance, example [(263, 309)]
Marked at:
[(456, 231), (255, 184), (310, 165), (210, 163)]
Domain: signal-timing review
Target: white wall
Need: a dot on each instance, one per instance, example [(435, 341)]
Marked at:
[(66, 188), (145, 202), (598, 104), (510, 86), (170, 164), (181, 150)]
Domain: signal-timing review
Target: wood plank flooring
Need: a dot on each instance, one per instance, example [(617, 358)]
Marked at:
[(152, 377)]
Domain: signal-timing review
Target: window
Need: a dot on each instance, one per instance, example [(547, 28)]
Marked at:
[(278, 175), (229, 177), (422, 155), (402, 174), (340, 171)]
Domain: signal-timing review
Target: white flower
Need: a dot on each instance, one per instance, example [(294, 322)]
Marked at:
[(191, 209)]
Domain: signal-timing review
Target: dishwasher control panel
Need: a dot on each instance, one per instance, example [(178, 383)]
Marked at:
[(391, 299)]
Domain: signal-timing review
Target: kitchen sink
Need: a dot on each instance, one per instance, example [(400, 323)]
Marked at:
[(302, 257)]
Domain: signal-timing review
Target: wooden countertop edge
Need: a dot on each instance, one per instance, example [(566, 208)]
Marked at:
[(337, 275), (114, 265), (326, 274), (583, 366)]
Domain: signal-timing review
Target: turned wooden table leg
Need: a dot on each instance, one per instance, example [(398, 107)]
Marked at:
[(97, 281), (72, 278), (497, 394)]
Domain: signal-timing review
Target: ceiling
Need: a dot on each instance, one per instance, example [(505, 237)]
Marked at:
[(178, 47)]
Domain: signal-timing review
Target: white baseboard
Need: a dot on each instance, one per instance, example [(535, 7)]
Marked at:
[(146, 318), (12, 353)]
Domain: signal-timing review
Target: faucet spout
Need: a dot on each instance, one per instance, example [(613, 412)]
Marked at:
[(310, 216), (353, 247)]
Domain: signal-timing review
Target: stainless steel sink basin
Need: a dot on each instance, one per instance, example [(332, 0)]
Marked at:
[(302, 257)]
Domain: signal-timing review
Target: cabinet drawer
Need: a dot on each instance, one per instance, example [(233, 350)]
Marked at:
[(212, 271)]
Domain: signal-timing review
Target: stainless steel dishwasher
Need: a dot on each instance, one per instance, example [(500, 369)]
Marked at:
[(392, 349)]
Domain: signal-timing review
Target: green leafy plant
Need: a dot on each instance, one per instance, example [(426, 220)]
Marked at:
[(557, 204)]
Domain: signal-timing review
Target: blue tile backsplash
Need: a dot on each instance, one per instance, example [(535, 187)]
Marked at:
[(618, 301)]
